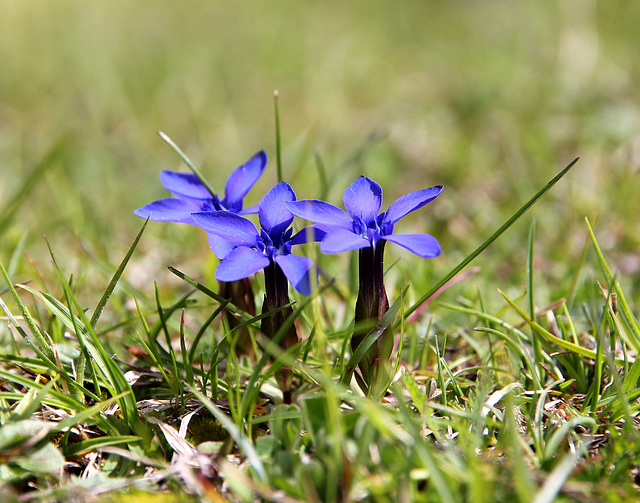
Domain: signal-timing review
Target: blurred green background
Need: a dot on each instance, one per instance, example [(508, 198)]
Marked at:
[(489, 98)]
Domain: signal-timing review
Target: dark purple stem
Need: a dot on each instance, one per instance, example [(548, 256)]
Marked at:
[(277, 295), (241, 295), (371, 305)]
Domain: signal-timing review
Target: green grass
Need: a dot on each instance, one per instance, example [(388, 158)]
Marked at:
[(518, 381)]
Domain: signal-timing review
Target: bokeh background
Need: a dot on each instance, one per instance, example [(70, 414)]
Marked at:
[(489, 98)]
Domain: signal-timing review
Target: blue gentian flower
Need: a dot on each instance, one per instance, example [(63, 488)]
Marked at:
[(253, 250), (268, 249), (363, 225), (365, 229), (192, 196)]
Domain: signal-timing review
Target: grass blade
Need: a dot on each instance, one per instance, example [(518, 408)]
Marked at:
[(188, 162), (587, 353), (471, 257), (40, 340), (276, 112), (114, 280), (8, 211)]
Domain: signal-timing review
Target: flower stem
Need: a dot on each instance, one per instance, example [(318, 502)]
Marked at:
[(277, 295), (371, 305), (241, 295)]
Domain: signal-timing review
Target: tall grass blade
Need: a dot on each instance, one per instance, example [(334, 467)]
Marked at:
[(630, 321), (535, 338), (114, 280), (187, 162), (276, 112), (491, 238), (115, 380), (39, 339), (57, 150)]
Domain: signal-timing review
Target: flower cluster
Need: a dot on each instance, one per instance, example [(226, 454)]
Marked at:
[(244, 249), (253, 250)]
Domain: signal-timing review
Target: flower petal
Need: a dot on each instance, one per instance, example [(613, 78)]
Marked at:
[(342, 240), (273, 214), (242, 179), (249, 210), (320, 212), (296, 269), (363, 199), (309, 233), (219, 246), (411, 202), (170, 209), (184, 184), (240, 263), (423, 245), (236, 230)]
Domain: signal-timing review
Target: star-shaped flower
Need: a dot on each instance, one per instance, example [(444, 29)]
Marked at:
[(253, 250), (192, 196), (363, 225)]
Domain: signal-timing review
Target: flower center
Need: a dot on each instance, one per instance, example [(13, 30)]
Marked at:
[(372, 230), (212, 204), (274, 245)]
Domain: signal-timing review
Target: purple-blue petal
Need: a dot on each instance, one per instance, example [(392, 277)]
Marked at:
[(320, 212), (411, 202), (219, 246), (184, 185), (249, 210), (423, 245), (308, 234), (170, 209), (236, 230), (242, 179), (342, 240), (363, 199), (296, 269), (240, 263), (273, 213)]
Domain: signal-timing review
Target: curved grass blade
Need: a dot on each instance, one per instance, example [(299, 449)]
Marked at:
[(116, 276), (40, 340), (630, 321), (96, 443), (491, 238), (187, 162), (115, 380), (587, 353), (207, 291), (196, 341)]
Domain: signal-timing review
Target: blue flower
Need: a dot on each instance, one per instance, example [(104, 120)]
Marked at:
[(192, 196), (363, 225), (253, 250)]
